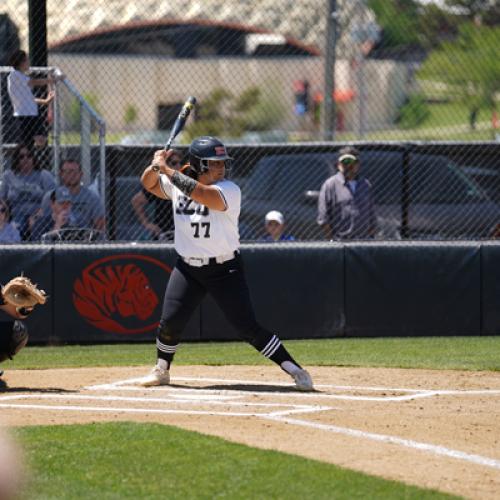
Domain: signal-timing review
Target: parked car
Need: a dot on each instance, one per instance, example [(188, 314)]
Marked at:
[(443, 203)]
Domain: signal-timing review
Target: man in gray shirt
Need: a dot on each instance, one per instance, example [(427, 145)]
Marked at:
[(345, 204), (88, 209)]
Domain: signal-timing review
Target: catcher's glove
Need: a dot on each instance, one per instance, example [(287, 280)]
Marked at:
[(23, 294)]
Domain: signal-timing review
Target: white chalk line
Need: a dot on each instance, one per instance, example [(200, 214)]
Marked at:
[(98, 409), (127, 385), (284, 417), (407, 443), (295, 394), (262, 383), (278, 416), (79, 397), (293, 409)]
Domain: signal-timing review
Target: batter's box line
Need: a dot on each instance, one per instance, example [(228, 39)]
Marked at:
[(128, 399), (124, 385)]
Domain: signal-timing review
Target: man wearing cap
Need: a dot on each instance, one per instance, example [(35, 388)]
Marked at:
[(345, 204), (275, 227), (87, 207), (59, 217)]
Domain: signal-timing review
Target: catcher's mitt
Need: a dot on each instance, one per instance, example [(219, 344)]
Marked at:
[(21, 292)]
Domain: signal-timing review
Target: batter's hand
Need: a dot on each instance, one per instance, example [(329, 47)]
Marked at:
[(161, 157)]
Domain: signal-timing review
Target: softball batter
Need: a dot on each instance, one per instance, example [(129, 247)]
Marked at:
[(206, 209)]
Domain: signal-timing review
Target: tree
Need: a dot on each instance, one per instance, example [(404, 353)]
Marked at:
[(398, 19), (408, 23), (480, 11), (469, 66), (130, 114), (223, 114), (73, 112)]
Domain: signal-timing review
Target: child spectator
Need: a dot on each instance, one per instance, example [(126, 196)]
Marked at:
[(275, 227)]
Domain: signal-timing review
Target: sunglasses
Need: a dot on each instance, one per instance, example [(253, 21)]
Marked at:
[(348, 161), (25, 155), (174, 163)]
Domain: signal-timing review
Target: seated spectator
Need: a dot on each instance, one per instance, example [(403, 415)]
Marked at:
[(87, 207), (8, 232), (60, 216), (24, 186), (275, 227), (162, 226)]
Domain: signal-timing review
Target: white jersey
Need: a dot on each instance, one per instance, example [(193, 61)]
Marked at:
[(199, 231), (23, 101)]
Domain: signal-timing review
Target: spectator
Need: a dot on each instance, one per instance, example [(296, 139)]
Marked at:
[(345, 204), (24, 186), (162, 227), (8, 232), (87, 207), (275, 227), (60, 216), (25, 104)]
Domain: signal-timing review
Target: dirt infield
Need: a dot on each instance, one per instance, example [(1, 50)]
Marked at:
[(436, 429)]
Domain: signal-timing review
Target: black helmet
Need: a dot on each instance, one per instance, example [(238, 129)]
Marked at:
[(206, 148)]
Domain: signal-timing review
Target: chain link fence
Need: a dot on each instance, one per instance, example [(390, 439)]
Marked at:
[(413, 85)]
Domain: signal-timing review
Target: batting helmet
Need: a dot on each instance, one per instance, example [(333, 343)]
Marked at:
[(206, 148)]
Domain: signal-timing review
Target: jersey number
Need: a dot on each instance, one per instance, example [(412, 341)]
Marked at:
[(205, 229)]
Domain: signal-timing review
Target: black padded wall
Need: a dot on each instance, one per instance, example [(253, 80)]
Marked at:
[(297, 291), (405, 289)]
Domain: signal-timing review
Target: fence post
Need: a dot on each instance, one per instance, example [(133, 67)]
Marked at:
[(330, 48), (405, 194)]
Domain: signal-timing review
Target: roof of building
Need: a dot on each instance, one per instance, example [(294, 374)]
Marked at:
[(302, 20)]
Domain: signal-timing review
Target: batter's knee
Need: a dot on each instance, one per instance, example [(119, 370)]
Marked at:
[(168, 333), (256, 336)]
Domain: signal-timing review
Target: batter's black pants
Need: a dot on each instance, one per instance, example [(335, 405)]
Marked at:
[(226, 283)]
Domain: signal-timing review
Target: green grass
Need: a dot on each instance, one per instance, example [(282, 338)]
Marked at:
[(455, 353), (127, 460)]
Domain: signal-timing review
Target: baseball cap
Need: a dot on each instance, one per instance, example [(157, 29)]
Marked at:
[(276, 216), (62, 194)]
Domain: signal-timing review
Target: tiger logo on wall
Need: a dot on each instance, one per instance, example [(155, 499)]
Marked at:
[(114, 294)]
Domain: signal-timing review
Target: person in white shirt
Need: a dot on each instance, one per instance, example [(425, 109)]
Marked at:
[(24, 103), (206, 211)]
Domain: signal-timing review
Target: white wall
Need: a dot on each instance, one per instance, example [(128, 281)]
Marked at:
[(146, 82)]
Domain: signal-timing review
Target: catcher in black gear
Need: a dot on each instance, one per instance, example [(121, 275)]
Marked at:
[(18, 299)]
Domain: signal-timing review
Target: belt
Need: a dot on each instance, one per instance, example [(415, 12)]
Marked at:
[(205, 261)]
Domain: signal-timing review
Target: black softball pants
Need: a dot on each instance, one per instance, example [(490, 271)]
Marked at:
[(226, 283)]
